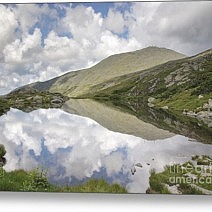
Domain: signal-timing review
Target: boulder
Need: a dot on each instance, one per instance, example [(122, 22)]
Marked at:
[(133, 170), (150, 104), (151, 99), (165, 107), (38, 99), (205, 106), (139, 165), (57, 101)]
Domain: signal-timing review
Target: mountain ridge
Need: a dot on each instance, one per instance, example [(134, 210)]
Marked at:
[(79, 82)]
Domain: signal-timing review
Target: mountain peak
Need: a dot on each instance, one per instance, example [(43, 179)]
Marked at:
[(79, 82)]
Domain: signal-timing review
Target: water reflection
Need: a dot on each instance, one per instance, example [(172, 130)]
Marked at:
[(75, 148)]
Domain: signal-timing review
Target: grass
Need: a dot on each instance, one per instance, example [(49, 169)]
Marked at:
[(37, 181), (181, 174), (184, 100)]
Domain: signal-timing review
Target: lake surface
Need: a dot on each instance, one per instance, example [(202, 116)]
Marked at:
[(74, 148)]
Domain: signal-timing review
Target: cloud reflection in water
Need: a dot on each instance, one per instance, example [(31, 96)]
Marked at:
[(74, 148)]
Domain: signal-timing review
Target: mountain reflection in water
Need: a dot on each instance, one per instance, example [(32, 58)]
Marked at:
[(74, 148)]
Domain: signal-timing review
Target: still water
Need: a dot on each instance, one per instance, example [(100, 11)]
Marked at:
[(74, 148)]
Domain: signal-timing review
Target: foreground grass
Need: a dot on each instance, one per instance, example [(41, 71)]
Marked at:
[(36, 181)]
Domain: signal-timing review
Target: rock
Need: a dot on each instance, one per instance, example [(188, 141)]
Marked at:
[(191, 113), (185, 111), (205, 106), (165, 107), (173, 189), (57, 101), (139, 165), (199, 108), (55, 105), (133, 170), (29, 98), (150, 104), (38, 99), (200, 96), (210, 103), (210, 125), (151, 99)]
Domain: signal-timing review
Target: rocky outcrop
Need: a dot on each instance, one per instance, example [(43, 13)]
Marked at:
[(28, 99), (204, 113)]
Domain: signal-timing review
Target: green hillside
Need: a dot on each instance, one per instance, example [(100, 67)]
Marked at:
[(181, 89)]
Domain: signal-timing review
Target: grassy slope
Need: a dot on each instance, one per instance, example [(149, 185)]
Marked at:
[(78, 83)]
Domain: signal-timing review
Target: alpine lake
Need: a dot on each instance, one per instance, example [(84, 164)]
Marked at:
[(88, 139)]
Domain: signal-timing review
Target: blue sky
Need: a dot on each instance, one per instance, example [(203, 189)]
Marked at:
[(41, 41)]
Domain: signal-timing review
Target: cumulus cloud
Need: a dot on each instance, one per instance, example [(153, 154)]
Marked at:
[(39, 42), (182, 26), (78, 148), (115, 21), (8, 24)]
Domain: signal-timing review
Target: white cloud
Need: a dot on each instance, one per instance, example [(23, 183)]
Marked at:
[(25, 51), (182, 26), (8, 23), (115, 21), (38, 44)]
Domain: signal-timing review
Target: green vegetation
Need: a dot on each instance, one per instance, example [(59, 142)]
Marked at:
[(184, 100), (2, 151), (37, 181), (186, 178), (156, 185)]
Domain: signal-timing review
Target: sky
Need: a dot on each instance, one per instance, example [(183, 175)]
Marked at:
[(41, 41)]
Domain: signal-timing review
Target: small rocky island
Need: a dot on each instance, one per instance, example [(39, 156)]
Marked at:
[(28, 99)]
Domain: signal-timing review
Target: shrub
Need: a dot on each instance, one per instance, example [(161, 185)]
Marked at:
[(2, 150), (38, 181)]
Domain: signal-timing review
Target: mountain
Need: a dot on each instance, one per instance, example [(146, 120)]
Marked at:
[(78, 83), (114, 119), (157, 85), (176, 95)]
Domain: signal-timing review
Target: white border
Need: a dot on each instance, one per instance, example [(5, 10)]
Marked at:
[(50, 202)]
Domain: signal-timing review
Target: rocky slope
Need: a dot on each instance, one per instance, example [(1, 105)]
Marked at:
[(28, 99), (77, 83)]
